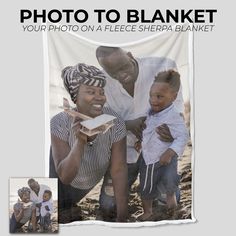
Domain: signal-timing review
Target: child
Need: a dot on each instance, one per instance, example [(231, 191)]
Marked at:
[(159, 163), (46, 210), (24, 211)]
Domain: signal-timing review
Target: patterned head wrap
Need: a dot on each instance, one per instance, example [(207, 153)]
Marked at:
[(81, 73), (23, 190)]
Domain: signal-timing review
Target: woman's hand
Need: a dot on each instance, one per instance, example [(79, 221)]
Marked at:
[(76, 127)]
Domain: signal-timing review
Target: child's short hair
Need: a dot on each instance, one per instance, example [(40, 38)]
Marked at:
[(49, 192), (170, 77)]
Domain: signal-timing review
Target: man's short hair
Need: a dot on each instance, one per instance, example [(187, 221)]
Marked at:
[(30, 181), (104, 51), (170, 77)]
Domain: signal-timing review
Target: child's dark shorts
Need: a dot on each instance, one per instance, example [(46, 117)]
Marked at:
[(155, 178)]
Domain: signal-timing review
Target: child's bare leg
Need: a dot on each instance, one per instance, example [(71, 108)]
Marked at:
[(147, 208), (171, 200)]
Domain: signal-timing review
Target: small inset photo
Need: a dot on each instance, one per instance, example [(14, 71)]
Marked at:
[(33, 205)]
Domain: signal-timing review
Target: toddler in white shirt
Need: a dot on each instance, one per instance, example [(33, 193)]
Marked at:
[(46, 210), (159, 163)]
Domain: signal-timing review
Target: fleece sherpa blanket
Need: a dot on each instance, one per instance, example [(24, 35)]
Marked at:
[(67, 49)]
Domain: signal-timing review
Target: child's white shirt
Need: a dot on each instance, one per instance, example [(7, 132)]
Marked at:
[(152, 146), (43, 210)]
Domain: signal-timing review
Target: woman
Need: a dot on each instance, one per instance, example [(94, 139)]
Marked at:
[(81, 161), (24, 211)]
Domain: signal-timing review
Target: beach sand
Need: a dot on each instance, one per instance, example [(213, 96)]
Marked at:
[(89, 205)]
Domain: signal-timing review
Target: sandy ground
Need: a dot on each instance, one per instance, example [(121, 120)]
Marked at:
[(89, 205)]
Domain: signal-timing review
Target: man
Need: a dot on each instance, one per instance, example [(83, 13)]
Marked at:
[(36, 194), (127, 91)]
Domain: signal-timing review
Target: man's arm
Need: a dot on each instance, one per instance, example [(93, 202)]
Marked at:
[(136, 126), (119, 174), (165, 134)]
